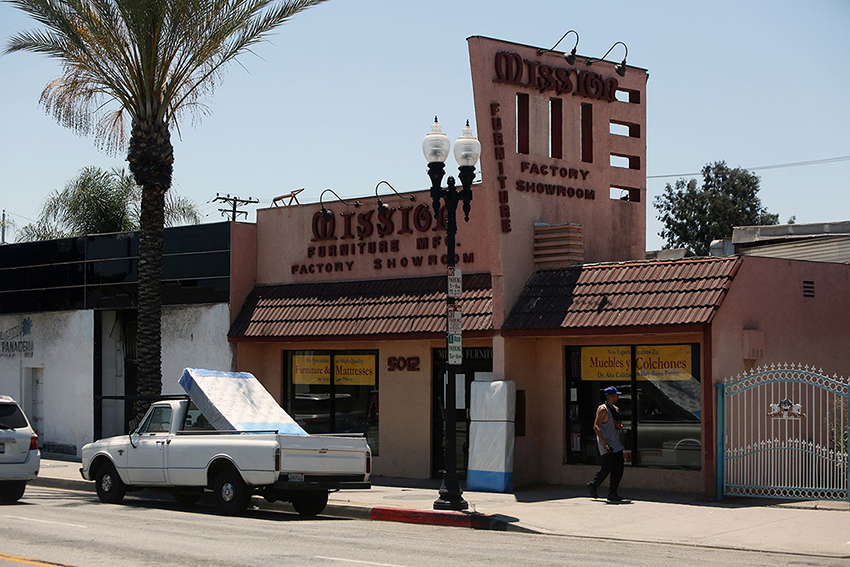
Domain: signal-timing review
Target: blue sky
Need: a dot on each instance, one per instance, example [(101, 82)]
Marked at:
[(342, 96)]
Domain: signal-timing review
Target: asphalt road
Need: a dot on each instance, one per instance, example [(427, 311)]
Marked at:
[(73, 528)]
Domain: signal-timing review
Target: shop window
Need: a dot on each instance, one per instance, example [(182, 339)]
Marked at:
[(556, 128), (333, 392), (587, 133), (659, 405)]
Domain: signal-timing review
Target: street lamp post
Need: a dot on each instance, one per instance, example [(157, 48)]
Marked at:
[(467, 150)]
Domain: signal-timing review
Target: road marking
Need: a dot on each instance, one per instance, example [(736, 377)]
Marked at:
[(45, 521), (358, 562), (28, 561)]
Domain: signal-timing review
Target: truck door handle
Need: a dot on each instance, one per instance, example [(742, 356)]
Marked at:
[(160, 442)]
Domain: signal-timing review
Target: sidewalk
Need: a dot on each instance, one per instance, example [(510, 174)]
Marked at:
[(806, 528)]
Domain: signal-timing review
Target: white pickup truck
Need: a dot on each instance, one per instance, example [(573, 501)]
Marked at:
[(175, 449)]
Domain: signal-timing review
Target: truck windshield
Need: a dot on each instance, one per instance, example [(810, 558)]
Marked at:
[(159, 420)]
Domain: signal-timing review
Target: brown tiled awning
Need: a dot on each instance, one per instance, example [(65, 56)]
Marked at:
[(627, 294), (404, 308)]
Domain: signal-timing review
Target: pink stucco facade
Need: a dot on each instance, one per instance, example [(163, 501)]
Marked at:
[(561, 145)]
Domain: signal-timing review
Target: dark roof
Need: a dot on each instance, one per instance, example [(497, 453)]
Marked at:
[(405, 306), (624, 294)]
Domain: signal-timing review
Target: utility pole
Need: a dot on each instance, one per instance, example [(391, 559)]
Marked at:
[(234, 202), (3, 228)]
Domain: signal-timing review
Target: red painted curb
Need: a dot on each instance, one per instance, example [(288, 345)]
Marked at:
[(456, 519)]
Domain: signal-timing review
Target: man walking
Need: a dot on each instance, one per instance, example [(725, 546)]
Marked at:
[(607, 426)]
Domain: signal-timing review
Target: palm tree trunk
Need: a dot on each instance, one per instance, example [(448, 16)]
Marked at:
[(151, 158)]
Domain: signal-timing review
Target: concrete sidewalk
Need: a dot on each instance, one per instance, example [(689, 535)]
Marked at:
[(806, 528)]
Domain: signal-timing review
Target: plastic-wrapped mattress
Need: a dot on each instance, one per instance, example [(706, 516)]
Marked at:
[(236, 401)]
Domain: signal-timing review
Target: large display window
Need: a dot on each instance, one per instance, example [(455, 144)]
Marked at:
[(333, 391), (660, 402)]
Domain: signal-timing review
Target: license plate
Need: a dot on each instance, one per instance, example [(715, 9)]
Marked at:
[(296, 477)]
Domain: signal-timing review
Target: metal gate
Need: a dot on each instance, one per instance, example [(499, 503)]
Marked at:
[(783, 433)]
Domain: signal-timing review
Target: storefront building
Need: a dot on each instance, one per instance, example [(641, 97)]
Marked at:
[(346, 323)]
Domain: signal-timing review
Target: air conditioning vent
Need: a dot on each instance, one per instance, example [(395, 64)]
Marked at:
[(808, 289)]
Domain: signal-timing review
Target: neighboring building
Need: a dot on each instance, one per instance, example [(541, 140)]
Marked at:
[(68, 322), (816, 242)]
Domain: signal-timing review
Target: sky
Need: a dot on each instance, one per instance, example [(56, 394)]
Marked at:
[(342, 95)]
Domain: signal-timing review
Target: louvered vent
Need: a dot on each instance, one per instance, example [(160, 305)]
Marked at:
[(808, 289), (557, 245)]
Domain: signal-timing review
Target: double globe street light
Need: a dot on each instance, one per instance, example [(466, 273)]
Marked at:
[(467, 150)]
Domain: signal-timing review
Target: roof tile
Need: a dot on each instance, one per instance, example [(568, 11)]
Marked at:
[(624, 294), (392, 306)]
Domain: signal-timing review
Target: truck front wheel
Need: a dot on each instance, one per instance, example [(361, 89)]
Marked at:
[(310, 504), (110, 488), (231, 493)]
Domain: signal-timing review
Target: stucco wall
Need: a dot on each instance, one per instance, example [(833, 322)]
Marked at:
[(405, 420), (193, 336), (767, 296), (537, 366), (62, 350)]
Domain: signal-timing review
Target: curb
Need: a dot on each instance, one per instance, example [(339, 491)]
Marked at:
[(474, 520)]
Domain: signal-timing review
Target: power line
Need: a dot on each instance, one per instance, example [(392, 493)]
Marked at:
[(776, 166)]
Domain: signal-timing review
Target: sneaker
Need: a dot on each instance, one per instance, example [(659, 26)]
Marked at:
[(591, 489), (615, 498)]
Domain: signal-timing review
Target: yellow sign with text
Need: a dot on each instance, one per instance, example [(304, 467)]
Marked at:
[(354, 369), (310, 369), (606, 363), (348, 369), (663, 362)]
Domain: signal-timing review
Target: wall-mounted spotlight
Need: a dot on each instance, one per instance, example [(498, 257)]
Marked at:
[(383, 208), (328, 215), (621, 67), (571, 56)]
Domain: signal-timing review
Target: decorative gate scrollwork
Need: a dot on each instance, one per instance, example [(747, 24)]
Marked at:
[(783, 433)]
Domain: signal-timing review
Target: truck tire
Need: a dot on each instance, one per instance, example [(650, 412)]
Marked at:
[(12, 491), (110, 487), (230, 492), (310, 504)]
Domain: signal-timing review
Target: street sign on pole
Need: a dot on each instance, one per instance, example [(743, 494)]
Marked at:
[(455, 320), (455, 283), (455, 350)]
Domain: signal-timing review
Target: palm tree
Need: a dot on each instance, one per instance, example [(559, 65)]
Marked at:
[(98, 201), (146, 62)]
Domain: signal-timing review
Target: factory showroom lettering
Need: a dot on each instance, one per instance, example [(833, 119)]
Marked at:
[(382, 239)]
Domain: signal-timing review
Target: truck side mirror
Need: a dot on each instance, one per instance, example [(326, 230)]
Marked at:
[(132, 425)]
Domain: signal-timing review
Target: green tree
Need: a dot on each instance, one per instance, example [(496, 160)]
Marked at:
[(694, 216), (98, 201), (146, 63)]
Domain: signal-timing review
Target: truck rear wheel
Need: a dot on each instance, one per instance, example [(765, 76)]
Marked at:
[(110, 487), (310, 504), (12, 491), (231, 493)]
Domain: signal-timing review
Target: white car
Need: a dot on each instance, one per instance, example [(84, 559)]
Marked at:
[(19, 454)]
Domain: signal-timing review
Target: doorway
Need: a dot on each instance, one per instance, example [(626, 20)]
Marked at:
[(476, 361), (33, 400)]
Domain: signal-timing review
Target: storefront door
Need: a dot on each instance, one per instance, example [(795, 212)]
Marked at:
[(475, 361)]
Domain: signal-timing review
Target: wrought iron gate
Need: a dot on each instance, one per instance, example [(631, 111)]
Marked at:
[(783, 433)]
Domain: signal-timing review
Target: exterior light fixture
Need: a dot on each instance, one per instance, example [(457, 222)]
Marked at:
[(621, 67), (383, 208), (328, 215), (571, 56), (467, 150)]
